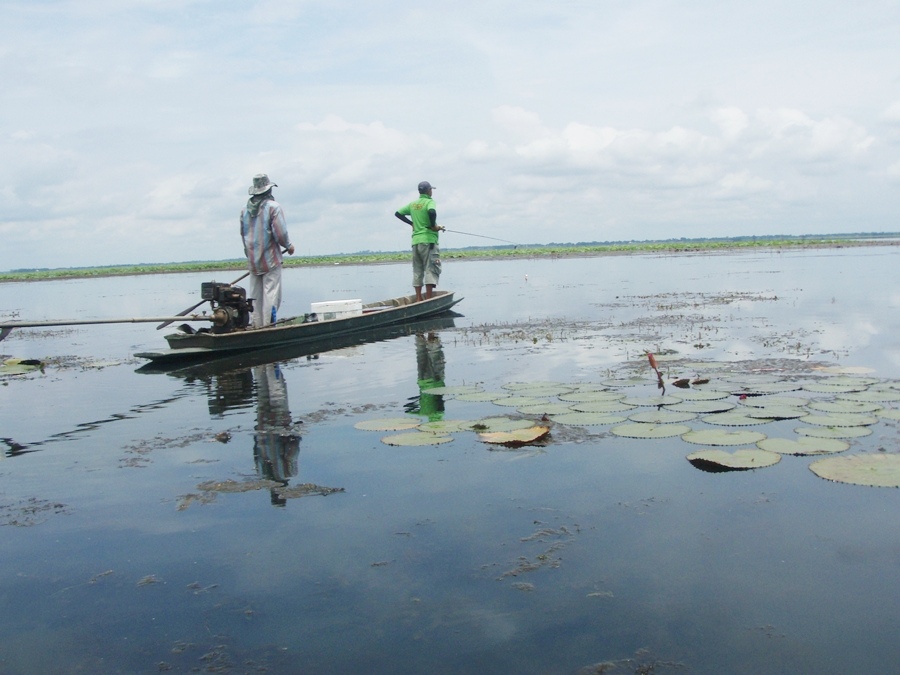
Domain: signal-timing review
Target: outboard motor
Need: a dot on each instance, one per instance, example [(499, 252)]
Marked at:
[(230, 308)]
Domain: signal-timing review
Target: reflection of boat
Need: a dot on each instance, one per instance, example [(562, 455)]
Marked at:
[(197, 345), (216, 363)]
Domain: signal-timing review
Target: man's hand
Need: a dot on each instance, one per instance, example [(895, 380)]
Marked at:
[(290, 249)]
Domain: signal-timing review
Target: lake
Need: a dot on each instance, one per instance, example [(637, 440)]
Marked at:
[(234, 517)]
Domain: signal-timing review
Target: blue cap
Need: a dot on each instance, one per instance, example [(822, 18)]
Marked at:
[(425, 186)]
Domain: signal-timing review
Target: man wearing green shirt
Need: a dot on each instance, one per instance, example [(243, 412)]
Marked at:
[(426, 253)]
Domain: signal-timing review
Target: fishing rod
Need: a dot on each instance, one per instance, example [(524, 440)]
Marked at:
[(483, 236), (7, 326)]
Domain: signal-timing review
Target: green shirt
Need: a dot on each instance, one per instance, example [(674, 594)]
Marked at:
[(418, 211)]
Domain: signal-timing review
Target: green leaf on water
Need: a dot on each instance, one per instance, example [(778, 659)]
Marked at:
[(586, 418), (416, 438), (388, 424), (702, 407), (739, 460), (843, 407), (497, 424), (453, 391), (873, 470), (840, 420), (515, 438), (644, 430), (805, 445), (833, 432), (661, 417), (722, 437), (733, 419)]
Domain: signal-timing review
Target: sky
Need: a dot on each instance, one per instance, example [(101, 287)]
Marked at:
[(130, 130)]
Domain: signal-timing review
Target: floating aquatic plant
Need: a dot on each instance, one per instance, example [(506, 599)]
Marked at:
[(545, 409), (734, 419), (701, 407), (840, 420), (497, 424), (454, 390), (833, 432), (661, 417), (777, 412), (805, 445), (388, 424), (587, 419), (645, 430), (602, 407), (722, 437), (739, 460), (843, 407), (515, 438), (874, 470), (651, 400)]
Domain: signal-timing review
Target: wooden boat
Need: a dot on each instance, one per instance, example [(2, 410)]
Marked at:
[(230, 362), (187, 344)]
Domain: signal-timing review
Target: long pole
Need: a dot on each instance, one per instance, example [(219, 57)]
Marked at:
[(6, 327)]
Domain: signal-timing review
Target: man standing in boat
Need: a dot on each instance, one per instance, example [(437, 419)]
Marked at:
[(265, 234), (426, 253)]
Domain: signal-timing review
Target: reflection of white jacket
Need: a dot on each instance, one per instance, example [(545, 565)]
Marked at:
[(264, 235), (275, 445)]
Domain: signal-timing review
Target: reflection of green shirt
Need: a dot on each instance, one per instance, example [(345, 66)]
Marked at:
[(431, 405), (418, 212)]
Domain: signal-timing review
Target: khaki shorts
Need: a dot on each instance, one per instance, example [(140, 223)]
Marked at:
[(426, 264)]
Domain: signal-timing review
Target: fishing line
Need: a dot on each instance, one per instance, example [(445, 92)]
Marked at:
[(483, 236)]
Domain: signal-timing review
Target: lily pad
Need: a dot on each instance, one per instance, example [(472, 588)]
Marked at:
[(644, 430), (661, 417), (702, 407), (626, 382), (591, 396), (19, 366), (891, 414), (873, 395), (833, 432), (587, 419), (519, 386), (874, 470), (842, 407), (416, 438), (651, 400), (545, 409), (479, 396), (497, 424), (703, 395), (777, 412), (601, 407), (444, 426), (766, 401), (388, 424), (763, 389), (453, 391), (805, 445), (542, 390), (515, 438), (840, 420), (830, 388), (515, 401), (739, 460), (722, 437), (733, 419)]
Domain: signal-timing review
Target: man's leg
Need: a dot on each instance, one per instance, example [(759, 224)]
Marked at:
[(429, 291), (418, 293), (255, 293), (271, 295)]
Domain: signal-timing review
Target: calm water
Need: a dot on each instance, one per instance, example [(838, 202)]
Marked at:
[(117, 556)]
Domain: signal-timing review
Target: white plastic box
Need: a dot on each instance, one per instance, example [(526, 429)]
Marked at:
[(336, 309)]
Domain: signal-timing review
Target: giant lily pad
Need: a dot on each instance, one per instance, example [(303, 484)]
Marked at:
[(444, 426), (891, 414), (703, 394), (840, 420), (767, 401), (545, 409), (497, 424), (733, 419), (763, 389), (388, 424), (626, 382), (661, 417), (651, 400), (875, 470), (644, 430), (521, 386), (722, 437), (416, 438), (479, 396), (739, 460), (805, 445), (874, 395), (843, 407), (777, 412), (702, 407), (539, 390), (602, 407), (587, 418), (454, 390), (516, 401), (829, 388), (833, 432), (591, 396), (19, 366), (515, 438)]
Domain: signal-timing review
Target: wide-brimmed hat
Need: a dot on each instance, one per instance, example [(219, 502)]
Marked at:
[(425, 186), (261, 183)]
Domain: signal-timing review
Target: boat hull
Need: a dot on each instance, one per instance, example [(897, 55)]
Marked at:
[(186, 346)]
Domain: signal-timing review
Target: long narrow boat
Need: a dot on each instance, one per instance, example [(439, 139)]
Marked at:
[(187, 344)]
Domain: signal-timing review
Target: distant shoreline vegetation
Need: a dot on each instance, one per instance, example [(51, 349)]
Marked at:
[(479, 253)]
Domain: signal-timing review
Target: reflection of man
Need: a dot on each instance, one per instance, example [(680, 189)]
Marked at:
[(275, 445), (430, 363)]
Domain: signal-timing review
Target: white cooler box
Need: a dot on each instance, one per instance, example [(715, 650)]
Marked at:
[(336, 309)]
